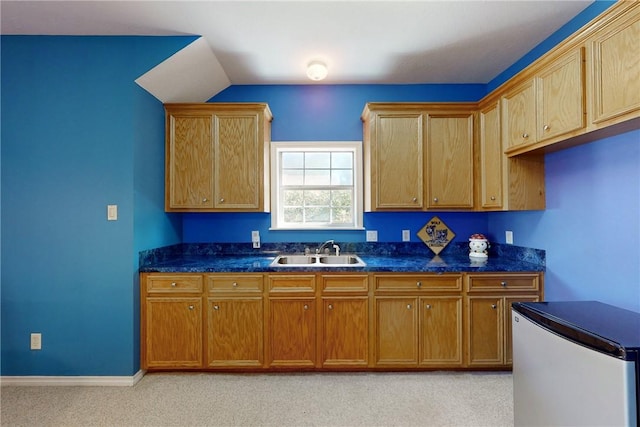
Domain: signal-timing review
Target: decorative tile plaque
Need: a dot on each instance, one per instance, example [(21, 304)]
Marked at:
[(436, 234)]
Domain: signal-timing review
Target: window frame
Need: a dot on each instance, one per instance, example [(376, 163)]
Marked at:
[(355, 147)]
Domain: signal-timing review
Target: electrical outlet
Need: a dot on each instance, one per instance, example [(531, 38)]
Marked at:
[(508, 237), (36, 341), (406, 236), (372, 235), (255, 239)]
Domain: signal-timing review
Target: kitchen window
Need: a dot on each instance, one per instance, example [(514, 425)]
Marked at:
[(316, 185)]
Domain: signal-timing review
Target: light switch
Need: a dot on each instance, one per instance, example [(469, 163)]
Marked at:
[(112, 212), (406, 236)]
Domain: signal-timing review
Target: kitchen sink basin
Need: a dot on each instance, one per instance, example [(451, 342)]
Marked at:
[(318, 261), (295, 259), (339, 259)]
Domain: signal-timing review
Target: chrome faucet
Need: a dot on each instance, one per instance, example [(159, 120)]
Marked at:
[(324, 245)]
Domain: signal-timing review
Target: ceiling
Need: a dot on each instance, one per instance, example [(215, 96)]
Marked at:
[(271, 42)]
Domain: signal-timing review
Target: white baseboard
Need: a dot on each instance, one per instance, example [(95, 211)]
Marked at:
[(37, 380)]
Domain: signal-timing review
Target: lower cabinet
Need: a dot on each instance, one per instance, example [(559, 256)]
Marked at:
[(418, 331), (488, 315), (235, 319), (234, 332), (171, 321), (292, 322), (342, 321), (345, 332)]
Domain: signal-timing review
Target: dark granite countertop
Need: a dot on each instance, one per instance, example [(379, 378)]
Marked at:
[(379, 257)]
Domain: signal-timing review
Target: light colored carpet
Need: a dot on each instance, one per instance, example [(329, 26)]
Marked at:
[(282, 399)]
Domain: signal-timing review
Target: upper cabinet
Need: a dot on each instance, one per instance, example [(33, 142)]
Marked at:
[(449, 160), (393, 153), (418, 156), (546, 106), (217, 157), (613, 54)]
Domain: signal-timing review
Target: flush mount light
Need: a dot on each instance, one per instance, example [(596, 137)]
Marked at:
[(317, 70)]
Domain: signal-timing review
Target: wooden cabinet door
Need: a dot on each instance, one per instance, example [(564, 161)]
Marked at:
[(235, 333), (491, 158), (519, 116), (449, 160), (189, 182), (396, 331), (396, 161), (485, 331), (239, 161), (508, 338), (292, 332), (615, 69), (345, 329), (561, 96), (441, 331), (173, 332)]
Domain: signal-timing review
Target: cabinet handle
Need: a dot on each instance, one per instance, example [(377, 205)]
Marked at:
[(494, 306), (435, 200), (546, 127), (306, 307), (216, 307), (419, 284), (330, 306), (235, 284), (525, 135), (173, 284), (191, 307), (428, 306), (504, 284), (408, 306)]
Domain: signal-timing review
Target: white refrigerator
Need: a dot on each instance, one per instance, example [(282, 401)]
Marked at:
[(575, 363)]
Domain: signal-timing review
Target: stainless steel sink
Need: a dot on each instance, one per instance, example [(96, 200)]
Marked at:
[(318, 261), (339, 259), (295, 259)]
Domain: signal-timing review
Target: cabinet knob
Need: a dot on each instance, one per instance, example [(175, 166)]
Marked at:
[(493, 198), (415, 199), (494, 306), (235, 284), (435, 200), (173, 284), (222, 200), (191, 307), (216, 307), (428, 306), (330, 306), (419, 284), (306, 307), (205, 200), (503, 284), (408, 306), (525, 135), (546, 127)]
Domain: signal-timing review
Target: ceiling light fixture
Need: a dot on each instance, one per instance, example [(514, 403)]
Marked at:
[(317, 70)]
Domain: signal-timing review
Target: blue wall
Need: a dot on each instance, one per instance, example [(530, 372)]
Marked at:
[(591, 227), (78, 134)]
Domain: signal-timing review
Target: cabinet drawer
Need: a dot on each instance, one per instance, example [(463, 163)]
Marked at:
[(503, 282), (238, 283), (178, 283), (449, 282), (345, 283), (292, 283)]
